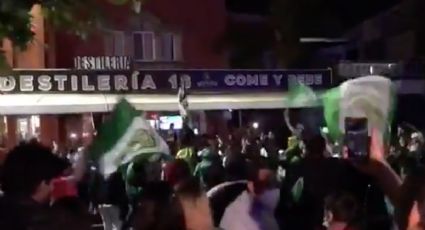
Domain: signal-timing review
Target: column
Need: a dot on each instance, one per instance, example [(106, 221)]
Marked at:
[(49, 129), (11, 131)]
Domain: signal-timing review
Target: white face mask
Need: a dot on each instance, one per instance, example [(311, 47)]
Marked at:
[(413, 147), (270, 198)]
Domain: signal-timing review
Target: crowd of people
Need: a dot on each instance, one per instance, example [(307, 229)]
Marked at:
[(237, 183)]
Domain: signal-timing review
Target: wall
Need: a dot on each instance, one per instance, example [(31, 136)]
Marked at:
[(32, 58), (202, 24)]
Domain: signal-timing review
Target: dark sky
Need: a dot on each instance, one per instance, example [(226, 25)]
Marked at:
[(350, 12)]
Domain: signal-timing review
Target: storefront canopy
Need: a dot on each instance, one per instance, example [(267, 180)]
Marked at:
[(81, 103), (55, 91)]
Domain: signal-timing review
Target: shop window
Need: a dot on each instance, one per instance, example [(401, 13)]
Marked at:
[(28, 127)]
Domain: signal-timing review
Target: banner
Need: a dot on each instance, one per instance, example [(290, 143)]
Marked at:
[(159, 81)]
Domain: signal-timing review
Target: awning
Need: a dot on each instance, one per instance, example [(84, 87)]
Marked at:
[(80, 103)]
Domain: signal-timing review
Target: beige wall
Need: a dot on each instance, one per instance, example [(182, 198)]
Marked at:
[(34, 58), (34, 55)]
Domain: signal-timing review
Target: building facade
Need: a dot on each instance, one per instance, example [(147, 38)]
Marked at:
[(390, 44), (164, 35)]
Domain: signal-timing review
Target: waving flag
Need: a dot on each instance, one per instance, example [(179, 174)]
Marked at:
[(300, 95), (372, 97), (183, 101), (125, 136)]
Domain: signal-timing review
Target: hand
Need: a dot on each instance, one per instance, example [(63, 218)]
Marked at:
[(377, 151), (414, 221)]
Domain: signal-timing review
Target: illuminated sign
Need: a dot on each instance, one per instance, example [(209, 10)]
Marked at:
[(159, 81), (102, 63)]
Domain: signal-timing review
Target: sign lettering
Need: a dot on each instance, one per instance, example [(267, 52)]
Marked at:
[(159, 81)]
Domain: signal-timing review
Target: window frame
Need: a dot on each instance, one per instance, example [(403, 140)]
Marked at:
[(144, 59)]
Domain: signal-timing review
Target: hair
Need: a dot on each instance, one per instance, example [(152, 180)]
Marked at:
[(412, 190), (235, 167), (27, 165), (344, 207), (315, 146), (177, 171), (187, 136), (214, 175), (253, 169), (189, 188), (159, 209)]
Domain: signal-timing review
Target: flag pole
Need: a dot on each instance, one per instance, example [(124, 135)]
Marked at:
[(184, 103)]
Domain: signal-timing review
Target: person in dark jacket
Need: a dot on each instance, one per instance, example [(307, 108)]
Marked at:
[(26, 181), (321, 177)]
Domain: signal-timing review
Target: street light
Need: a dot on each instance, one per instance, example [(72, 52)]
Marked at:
[(255, 125)]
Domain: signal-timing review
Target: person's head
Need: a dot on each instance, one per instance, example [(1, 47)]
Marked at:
[(172, 126), (28, 172), (187, 137), (159, 209), (315, 147), (341, 211), (235, 167), (213, 174), (209, 141), (262, 182), (162, 207), (416, 141), (177, 171), (270, 135)]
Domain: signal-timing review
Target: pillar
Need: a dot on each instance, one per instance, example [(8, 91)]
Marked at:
[(49, 129), (34, 55), (12, 136)]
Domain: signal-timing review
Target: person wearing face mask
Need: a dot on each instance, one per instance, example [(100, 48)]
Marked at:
[(247, 205)]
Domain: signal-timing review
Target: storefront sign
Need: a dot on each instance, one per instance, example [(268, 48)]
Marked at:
[(102, 63), (159, 81), (351, 70)]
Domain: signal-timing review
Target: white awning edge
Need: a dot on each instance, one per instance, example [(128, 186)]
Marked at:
[(82, 103)]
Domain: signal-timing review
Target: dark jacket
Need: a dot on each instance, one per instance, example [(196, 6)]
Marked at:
[(323, 177), (24, 214)]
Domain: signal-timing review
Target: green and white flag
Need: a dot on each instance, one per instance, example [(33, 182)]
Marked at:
[(125, 136), (372, 97), (297, 190), (300, 95)]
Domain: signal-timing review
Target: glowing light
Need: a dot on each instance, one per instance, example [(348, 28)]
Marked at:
[(73, 136)]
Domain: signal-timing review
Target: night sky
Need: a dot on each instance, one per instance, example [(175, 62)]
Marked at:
[(350, 12)]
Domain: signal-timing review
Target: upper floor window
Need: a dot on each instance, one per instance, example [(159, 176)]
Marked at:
[(144, 46), (169, 47), (115, 43), (149, 46)]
